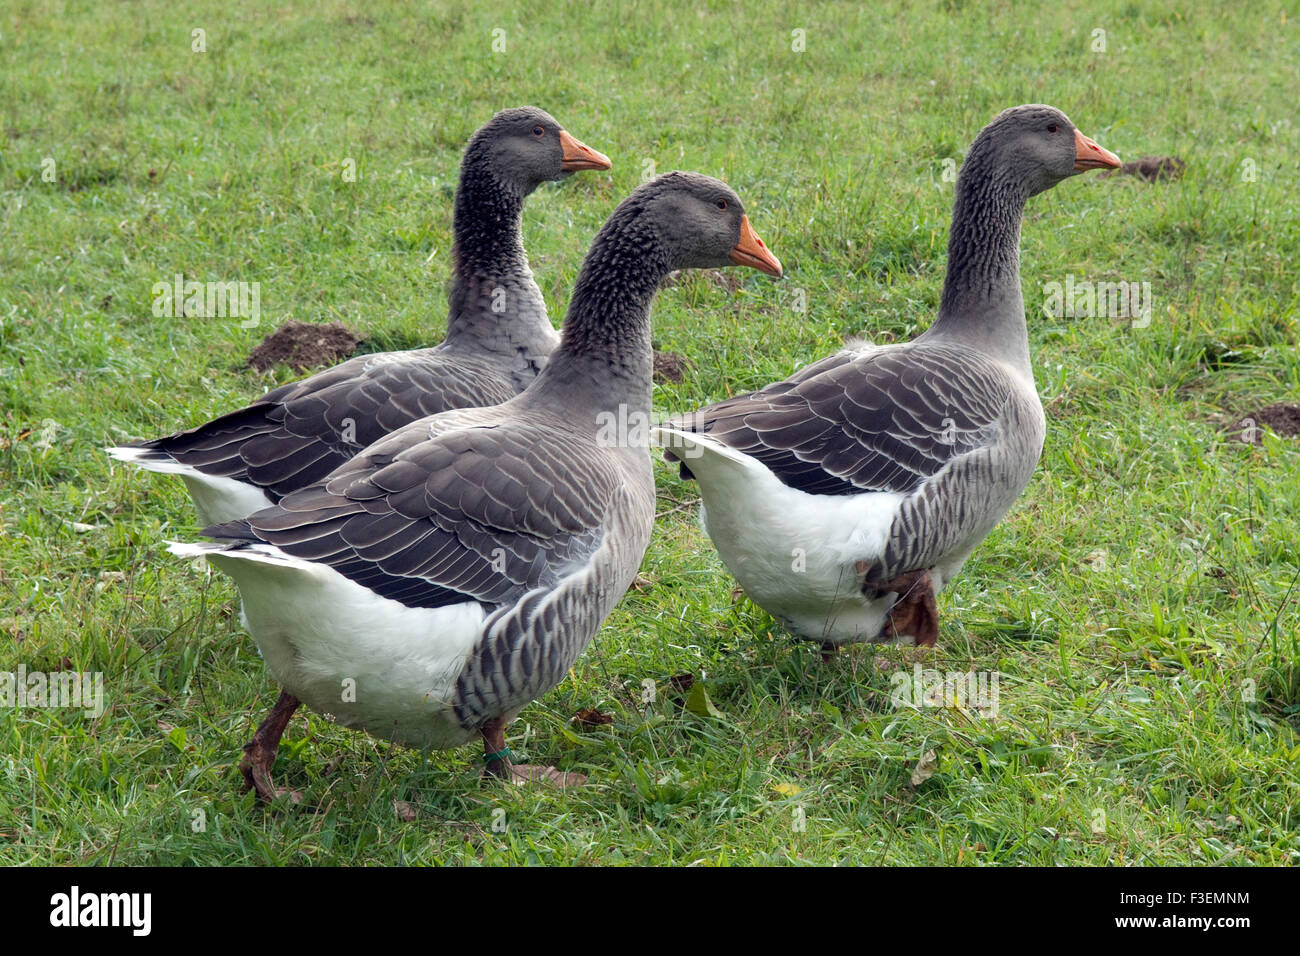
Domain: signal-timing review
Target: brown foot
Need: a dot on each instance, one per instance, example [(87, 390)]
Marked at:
[(499, 765), (915, 612), (259, 753)]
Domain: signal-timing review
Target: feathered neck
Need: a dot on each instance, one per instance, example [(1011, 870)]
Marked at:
[(494, 305), (982, 304), (605, 358)]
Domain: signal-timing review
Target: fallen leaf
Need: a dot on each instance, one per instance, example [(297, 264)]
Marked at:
[(405, 812), (697, 702), (591, 717), (925, 768)]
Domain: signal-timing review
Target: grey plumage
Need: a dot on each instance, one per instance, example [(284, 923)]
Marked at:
[(485, 504), (924, 415), (935, 437), (498, 338), (482, 547)]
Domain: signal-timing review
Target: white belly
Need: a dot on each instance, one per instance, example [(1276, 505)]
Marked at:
[(365, 661), (794, 553)]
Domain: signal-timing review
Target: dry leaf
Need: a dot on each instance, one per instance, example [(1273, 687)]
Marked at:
[(682, 682), (925, 768), (591, 717)]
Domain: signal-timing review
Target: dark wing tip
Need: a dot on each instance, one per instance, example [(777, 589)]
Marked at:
[(237, 530)]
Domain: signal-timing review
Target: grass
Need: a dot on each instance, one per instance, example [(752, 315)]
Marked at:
[(1139, 605)]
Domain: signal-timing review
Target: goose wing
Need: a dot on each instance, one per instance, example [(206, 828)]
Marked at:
[(955, 432), (462, 506), (881, 420), (300, 432)]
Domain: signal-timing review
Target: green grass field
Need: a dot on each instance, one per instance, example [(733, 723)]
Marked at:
[(1140, 605)]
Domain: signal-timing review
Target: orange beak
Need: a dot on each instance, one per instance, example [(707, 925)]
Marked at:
[(578, 155), (751, 252), (1088, 155)]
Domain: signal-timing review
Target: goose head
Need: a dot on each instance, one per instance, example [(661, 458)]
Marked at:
[(1035, 147), (700, 223), (526, 146)]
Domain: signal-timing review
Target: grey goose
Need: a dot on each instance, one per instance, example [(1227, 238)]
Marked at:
[(498, 338), (845, 497), (454, 570)]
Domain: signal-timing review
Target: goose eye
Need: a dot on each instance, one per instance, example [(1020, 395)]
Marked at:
[(538, 130), (1053, 128), (721, 204)]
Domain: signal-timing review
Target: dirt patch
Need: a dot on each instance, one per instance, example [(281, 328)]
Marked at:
[(670, 367), (1151, 168), (1282, 417), (682, 682), (590, 717), (303, 346)]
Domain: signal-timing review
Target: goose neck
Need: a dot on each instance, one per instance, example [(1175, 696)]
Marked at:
[(982, 303), (494, 305), (486, 222), (605, 358)]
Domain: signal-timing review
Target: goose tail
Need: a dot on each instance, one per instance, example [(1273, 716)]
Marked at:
[(150, 458), (692, 450)]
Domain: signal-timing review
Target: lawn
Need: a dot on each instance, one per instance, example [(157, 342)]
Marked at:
[(1139, 607)]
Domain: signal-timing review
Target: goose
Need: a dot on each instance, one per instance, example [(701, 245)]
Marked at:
[(453, 571), (845, 497), (498, 338)]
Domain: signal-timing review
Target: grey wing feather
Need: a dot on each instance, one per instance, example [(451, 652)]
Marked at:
[(471, 513), (881, 420), (953, 431), (302, 431)]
